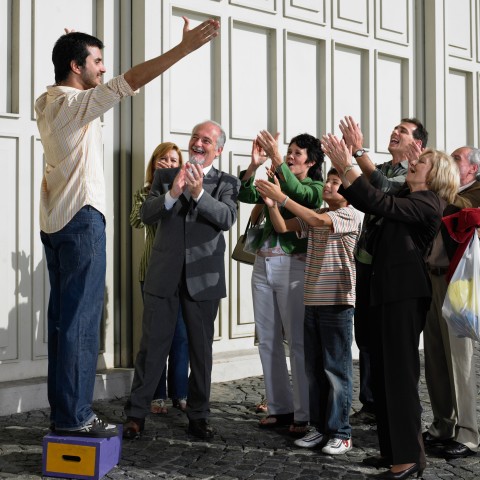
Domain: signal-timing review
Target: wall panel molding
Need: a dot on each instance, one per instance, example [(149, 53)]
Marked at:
[(9, 57), (252, 83), (240, 293), (351, 92), (269, 6), (308, 55), (392, 20), (392, 96), (351, 16), (39, 277), (14, 265), (460, 110), (313, 11), (202, 71), (460, 28)]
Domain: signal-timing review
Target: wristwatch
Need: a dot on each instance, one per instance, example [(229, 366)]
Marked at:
[(359, 153)]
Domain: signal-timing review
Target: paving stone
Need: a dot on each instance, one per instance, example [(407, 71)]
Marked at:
[(240, 450)]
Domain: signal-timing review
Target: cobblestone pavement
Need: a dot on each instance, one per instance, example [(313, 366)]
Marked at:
[(240, 450)]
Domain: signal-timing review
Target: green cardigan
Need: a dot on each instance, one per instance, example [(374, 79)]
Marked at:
[(136, 222), (306, 192)]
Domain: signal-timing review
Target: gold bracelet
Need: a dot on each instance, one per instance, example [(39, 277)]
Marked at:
[(350, 167)]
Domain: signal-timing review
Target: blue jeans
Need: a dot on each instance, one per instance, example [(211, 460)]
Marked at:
[(76, 261), (328, 363), (178, 359), (177, 365)]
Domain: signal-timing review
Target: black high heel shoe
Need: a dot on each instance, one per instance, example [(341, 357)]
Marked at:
[(389, 475)]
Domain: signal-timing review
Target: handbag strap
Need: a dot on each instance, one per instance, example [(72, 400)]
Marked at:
[(260, 219), (248, 225)]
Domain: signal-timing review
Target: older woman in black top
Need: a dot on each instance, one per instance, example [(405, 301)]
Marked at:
[(400, 293)]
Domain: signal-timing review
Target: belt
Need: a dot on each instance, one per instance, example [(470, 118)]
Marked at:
[(438, 271)]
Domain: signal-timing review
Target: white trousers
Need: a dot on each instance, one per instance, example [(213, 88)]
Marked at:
[(277, 291)]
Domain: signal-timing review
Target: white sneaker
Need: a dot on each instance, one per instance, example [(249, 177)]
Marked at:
[(337, 446), (311, 439)]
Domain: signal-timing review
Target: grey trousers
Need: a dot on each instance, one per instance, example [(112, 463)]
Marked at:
[(158, 327), (450, 375)]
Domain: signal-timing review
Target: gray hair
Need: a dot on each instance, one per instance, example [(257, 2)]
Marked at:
[(222, 137), (474, 159)]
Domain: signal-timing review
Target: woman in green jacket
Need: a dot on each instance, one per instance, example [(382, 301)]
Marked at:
[(278, 277)]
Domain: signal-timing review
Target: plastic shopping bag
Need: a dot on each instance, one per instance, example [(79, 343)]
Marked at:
[(461, 307)]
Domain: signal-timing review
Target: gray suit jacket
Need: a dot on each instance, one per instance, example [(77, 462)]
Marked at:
[(190, 235)]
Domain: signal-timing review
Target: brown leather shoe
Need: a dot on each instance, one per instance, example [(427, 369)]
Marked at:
[(133, 427), (201, 429)]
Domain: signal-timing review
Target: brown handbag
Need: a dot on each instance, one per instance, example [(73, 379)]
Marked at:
[(239, 254)]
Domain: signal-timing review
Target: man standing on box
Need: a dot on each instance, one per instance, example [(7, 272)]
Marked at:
[(72, 206), (192, 205)]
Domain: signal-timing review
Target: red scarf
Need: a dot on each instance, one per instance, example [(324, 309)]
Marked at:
[(461, 226)]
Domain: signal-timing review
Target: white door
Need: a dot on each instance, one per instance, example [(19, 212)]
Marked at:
[(28, 30)]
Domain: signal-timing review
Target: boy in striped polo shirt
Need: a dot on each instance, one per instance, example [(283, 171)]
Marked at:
[(329, 306)]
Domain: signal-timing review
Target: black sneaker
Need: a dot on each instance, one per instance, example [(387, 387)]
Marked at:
[(97, 428)]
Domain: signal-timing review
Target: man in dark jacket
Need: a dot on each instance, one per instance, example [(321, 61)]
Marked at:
[(449, 362)]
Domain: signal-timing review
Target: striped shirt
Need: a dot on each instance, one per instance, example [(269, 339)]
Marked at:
[(330, 267), (69, 123)]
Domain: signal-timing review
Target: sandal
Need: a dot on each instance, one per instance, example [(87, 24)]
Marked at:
[(158, 406), (275, 421), (261, 407), (180, 403), (298, 429)]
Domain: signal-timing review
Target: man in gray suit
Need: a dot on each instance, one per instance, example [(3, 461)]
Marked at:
[(193, 206)]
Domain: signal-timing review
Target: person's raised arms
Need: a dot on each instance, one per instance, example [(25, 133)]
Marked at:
[(341, 158), (269, 143), (258, 158), (271, 192), (143, 73), (353, 138)]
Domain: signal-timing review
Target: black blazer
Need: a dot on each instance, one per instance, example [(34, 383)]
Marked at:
[(410, 222)]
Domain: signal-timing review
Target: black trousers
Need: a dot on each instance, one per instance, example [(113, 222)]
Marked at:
[(158, 327), (361, 325), (396, 329)]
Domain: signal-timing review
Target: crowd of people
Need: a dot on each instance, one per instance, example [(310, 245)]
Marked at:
[(321, 274)]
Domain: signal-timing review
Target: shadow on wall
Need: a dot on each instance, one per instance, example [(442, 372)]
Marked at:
[(24, 340)]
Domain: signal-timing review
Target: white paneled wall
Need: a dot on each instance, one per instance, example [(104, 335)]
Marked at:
[(28, 30), (251, 67), (10, 262), (454, 77), (458, 109), (390, 92), (304, 71)]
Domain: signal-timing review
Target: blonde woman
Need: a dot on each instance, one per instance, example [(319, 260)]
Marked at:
[(166, 155), (400, 293)]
